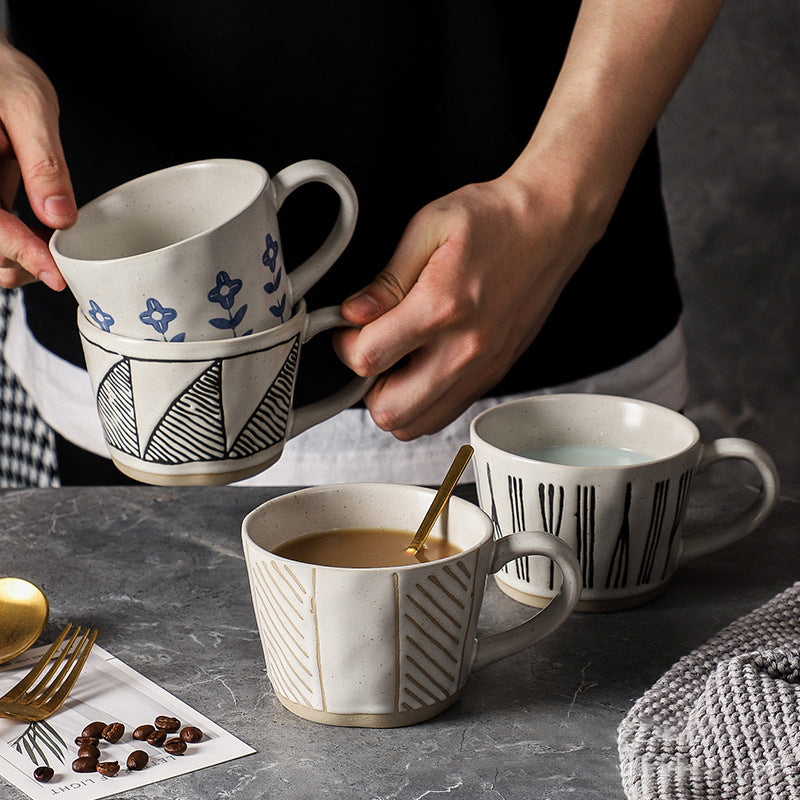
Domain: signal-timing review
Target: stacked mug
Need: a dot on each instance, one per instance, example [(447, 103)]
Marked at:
[(191, 324)]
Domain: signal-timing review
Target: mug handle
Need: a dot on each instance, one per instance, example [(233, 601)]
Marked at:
[(305, 417), (532, 543), (746, 522), (303, 277)]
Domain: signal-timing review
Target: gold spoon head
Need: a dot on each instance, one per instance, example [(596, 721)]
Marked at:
[(23, 614), (442, 496)]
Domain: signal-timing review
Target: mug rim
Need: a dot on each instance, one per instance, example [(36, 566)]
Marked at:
[(584, 397), (88, 262), (196, 349), (247, 521)]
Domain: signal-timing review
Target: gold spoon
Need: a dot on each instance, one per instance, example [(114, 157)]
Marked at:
[(442, 496), (23, 614)]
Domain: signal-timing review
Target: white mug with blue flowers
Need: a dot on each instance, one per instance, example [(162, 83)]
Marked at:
[(193, 252)]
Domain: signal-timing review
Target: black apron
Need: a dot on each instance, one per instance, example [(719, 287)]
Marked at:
[(410, 99)]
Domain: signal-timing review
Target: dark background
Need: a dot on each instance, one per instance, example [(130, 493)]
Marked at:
[(730, 144)]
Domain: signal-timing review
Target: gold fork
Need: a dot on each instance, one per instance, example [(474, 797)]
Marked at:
[(31, 705)]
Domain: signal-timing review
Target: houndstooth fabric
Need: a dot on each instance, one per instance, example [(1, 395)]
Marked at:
[(724, 722), (27, 444)]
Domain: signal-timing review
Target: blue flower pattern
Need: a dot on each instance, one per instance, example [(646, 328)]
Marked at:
[(159, 318), (270, 260), (103, 320), (225, 293)]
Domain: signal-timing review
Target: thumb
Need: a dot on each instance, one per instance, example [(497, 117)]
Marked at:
[(47, 183), (395, 280)]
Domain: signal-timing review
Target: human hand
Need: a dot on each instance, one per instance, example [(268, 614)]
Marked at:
[(473, 279), (30, 148), (477, 272)]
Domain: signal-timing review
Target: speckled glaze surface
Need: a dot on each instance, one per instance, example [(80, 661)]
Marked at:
[(388, 646), (193, 252), (205, 412), (625, 523)]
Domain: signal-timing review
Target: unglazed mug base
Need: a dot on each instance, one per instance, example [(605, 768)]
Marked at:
[(394, 719), (194, 478), (601, 605)]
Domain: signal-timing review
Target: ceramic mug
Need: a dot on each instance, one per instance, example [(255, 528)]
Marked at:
[(384, 646), (611, 477), (206, 412), (193, 252)]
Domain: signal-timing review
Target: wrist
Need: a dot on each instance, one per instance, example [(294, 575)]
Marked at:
[(563, 170)]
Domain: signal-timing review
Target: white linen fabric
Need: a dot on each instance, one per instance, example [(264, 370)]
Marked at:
[(348, 447)]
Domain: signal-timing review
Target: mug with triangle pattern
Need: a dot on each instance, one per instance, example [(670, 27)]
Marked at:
[(206, 413)]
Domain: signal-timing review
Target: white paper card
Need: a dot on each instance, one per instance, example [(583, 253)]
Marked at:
[(107, 690)]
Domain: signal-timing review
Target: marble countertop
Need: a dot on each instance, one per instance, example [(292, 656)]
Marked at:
[(161, 573)]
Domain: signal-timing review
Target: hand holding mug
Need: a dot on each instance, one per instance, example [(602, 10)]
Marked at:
[(30, 147)]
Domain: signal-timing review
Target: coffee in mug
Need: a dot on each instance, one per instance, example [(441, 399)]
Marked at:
[(363, 548), (383, 646)]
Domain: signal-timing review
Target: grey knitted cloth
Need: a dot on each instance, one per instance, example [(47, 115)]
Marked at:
[(724, 721)]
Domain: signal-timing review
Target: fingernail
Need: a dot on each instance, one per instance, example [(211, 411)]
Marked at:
[(59, 205), (363, 305)]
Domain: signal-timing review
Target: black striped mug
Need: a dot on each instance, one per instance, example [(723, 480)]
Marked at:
[(611, 477)]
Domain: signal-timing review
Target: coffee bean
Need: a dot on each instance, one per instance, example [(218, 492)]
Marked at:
[(43, 774), (84, 764), (113, 732), (191, 734), (108, 768), (88, 751), (169, 724), (137, 759), (142, 732), (82, 740), (175, 747), (94, 729), (157, 738)]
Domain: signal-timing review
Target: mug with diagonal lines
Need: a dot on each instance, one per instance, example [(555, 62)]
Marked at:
[(611, 477), (382, 647)]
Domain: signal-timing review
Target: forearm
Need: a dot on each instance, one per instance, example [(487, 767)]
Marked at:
[(623, 64)]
